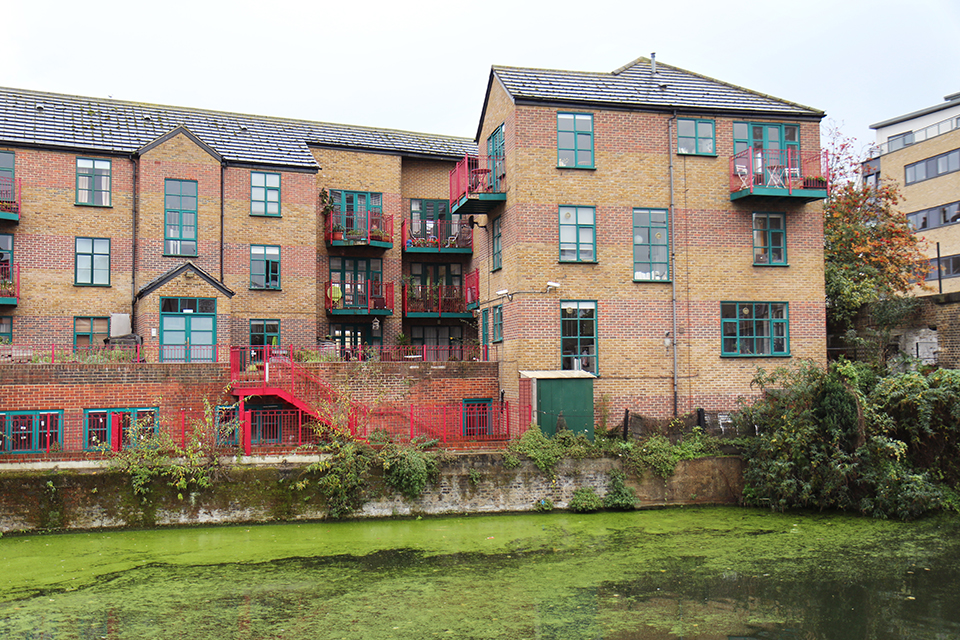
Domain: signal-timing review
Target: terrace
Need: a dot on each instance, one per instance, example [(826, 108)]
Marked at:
[(9, 198), (438, 301), (362, 298), (9, 284), (436, 236), (779, 173), (477, 184), (363, 228)]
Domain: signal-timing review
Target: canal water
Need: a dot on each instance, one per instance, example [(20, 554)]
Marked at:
[(679, 573)]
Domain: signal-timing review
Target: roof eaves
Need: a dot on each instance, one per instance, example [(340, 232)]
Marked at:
[(917, 114), (163, 279)]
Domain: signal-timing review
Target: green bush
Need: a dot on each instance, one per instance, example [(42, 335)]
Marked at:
[(543, 505), (619, 496), (585, 500)]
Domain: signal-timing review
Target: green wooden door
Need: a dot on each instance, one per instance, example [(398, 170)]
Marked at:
[(571, 397)]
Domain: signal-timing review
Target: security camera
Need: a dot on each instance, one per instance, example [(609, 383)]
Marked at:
[(503, 292)]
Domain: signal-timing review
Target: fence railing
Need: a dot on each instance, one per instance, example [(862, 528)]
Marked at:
[(785, 169), (10, 195), (434, 299), (362, 296), (359, 227), (471, 285), (476, 174), (436, 235), (10, 281), (899, 141)]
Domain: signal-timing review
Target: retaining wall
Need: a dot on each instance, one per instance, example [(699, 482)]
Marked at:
[(91, 498)]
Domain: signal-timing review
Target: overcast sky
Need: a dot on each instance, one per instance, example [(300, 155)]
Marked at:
[(423, 65)]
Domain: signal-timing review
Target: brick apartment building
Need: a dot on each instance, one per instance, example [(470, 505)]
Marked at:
[(638, 239)]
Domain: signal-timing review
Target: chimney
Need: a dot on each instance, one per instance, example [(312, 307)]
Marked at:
[(653, 61)]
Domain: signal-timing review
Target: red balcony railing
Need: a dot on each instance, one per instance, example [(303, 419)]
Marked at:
[(471, 284), (476, 174), (437, 235), (397, 353), (785, 169), (358, 227), (362, 296), (434, 299), (10, 281), (10, 195)]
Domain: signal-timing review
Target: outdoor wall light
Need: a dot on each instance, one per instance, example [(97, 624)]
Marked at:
[(503, 292)]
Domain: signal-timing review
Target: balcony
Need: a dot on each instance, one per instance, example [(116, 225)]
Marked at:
[(9, 199), (436, 301), (779, 173), (9, 284), (476, 184), (471, 283), (359, 298), (436, 236), (359, 229)]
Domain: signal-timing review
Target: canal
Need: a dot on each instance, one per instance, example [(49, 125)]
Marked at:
[(717, 572)]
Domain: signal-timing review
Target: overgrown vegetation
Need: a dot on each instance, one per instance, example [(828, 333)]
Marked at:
[(846, 438), (585, 500), (151, 453), (619, 496)]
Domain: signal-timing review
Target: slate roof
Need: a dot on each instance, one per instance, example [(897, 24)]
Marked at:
[(116, 126), (635, 85), (164, 278)]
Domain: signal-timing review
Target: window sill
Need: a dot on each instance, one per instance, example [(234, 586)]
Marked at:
[(181, 255), (755, 355), (591, 168), (769, 264), (90, 204), (265, 289), (702, 155), (266, 215), (578, 262), (495, 269), (90, 284), (661, 281)]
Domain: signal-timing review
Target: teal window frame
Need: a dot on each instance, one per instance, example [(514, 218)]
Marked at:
[(33, 428), (264, 267), (6, 329), (579, 341), (189, 310), (91, 265), (696, 137), (477, 422), (100, 434), (496, 159), (180, 219), (351, 275), (89, 331), (265, 194), (350, 213), (769, 240), (496, 253), (756, 135), (484, 323), (8, 167), (94, 182), (496, 323), (575, 137), (263, 332), (755, 329), (578, 233), (651, 245)]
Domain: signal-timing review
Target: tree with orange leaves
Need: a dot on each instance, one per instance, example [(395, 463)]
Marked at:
[(870, 251)]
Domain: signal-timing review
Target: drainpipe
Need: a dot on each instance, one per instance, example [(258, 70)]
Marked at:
[(673, 263), (223, 170), (133, 247)]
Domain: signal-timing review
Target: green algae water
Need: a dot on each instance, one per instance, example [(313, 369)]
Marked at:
[(679, 573)]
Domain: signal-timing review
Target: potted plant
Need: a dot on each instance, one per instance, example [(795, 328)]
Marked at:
[(354, 235), (338, 232)]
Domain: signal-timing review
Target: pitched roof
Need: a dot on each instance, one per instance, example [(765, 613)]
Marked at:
[(116, 126), (635, 85), (164, 278)]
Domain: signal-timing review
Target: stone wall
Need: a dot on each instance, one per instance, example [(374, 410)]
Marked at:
[(91, 497)]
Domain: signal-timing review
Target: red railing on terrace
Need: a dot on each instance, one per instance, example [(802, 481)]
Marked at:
[(471, 285), (10, 195), (10, 281), (401, 353), (359, 227), (476, 174), (363, 296), (436, 235), (785, 169), (434, 299), (39, 353)]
